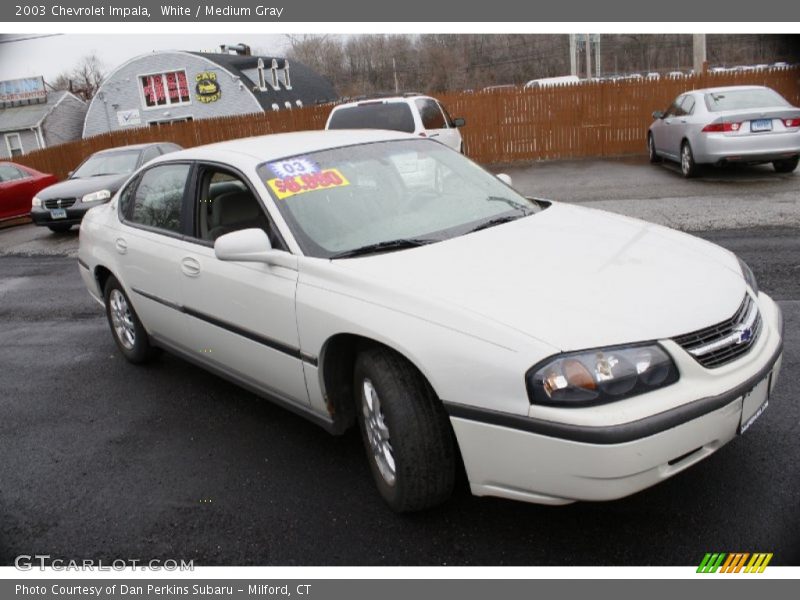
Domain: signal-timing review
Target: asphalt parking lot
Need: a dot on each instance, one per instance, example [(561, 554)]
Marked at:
[(103, 459)]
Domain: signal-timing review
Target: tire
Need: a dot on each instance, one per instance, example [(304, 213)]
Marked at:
[(59, 227), (689, 168), (405, 430), (126, 328), (651, 149), (785, 166)]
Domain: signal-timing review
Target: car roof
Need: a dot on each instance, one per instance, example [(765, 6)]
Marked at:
[(379, 98), (279, 145), (131, 147), (730, 88)]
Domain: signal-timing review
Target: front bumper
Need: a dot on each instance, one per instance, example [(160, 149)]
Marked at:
[(720, 147), (550, 462), (75, 213)]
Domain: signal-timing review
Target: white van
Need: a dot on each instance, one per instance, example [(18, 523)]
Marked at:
[(411, 113)]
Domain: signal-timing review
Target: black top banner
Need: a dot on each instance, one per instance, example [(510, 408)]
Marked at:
[(472, 11)]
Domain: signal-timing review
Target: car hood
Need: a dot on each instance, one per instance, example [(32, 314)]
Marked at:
[(569, 276), (75, 188)]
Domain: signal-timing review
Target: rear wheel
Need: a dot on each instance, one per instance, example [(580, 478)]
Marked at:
[(406, 432), (651, 149), (785, 166), (126, 328), (688, 167), (59, 227)]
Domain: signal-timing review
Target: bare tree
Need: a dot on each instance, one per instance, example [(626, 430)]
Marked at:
[(83, 79)]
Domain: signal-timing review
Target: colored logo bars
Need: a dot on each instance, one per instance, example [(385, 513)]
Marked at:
[(734, 562)]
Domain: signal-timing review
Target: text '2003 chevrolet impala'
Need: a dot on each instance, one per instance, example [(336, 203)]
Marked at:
[(381, 279)]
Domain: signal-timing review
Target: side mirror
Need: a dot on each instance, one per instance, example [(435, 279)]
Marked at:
[(505, 179), (459, 122), (657, 114), (251, 245)]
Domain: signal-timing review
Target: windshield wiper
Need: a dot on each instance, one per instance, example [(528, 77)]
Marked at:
[(399, 244), (512, 203), (497, 221), (102, 174)]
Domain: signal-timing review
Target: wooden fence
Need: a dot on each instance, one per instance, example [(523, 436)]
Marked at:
[(595, 119)]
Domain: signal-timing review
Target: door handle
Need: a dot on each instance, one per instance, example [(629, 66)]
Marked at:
[(683, 120), (433, 135), (121, 246), (190, 267)]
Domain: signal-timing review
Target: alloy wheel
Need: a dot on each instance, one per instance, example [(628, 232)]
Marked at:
[(122, 319), (377, 432)]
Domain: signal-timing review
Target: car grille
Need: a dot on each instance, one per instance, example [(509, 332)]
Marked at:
[(54, 202), (725, 342)]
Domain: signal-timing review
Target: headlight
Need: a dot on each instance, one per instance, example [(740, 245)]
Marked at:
[(749, 278), (95, 196), (36, 202), (599, 376)]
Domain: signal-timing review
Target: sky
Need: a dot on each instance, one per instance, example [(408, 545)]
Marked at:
[(49, 56)]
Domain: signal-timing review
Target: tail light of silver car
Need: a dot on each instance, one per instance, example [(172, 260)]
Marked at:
[(721, 127), (791, 123)]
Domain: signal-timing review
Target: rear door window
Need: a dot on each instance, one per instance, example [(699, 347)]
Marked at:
[(395, 116), (687, 106), (430, 113)]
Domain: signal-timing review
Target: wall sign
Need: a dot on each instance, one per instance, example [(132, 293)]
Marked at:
[(29, 90), (207, 88), (129, 117)]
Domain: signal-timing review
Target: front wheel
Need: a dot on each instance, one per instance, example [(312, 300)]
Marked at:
[(406, 432), (126, 328), (785, 166), (689, 168)]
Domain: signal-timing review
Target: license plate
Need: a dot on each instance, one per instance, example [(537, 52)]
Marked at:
[(761, 125), (58, 213), (754, 403)]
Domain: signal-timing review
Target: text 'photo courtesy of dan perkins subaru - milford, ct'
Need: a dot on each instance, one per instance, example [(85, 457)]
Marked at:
[(352, 300)]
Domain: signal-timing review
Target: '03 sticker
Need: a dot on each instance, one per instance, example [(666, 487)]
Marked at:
[(284, 187), (293, 167)]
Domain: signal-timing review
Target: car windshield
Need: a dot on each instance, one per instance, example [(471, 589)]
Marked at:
[(395, 116), (108, 163), (385, 196), (744, 99)]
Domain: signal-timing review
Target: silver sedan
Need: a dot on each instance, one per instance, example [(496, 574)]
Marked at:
[(742, 124)]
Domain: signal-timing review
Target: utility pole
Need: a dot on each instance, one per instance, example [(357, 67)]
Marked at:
[(597, 55), (588, 57), (699, 53), (573, 55), (394, 68)]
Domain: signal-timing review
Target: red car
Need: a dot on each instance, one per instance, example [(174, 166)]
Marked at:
[(18, 184)]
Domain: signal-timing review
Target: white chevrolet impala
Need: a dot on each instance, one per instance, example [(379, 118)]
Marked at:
[(378, 278)]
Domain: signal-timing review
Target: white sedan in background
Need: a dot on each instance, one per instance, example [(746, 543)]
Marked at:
[(737, 124), (377, 278)]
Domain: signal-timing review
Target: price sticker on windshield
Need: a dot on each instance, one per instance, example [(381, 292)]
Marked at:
[(293, 167), (285, 187)]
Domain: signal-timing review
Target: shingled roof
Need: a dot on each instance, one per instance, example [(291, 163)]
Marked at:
[(28, 116), (306, 85)]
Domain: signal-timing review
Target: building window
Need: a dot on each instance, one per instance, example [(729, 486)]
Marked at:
[(275, 73), (286, 81), (167, 121), (164, 89), (14, 144), (262, 80)]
